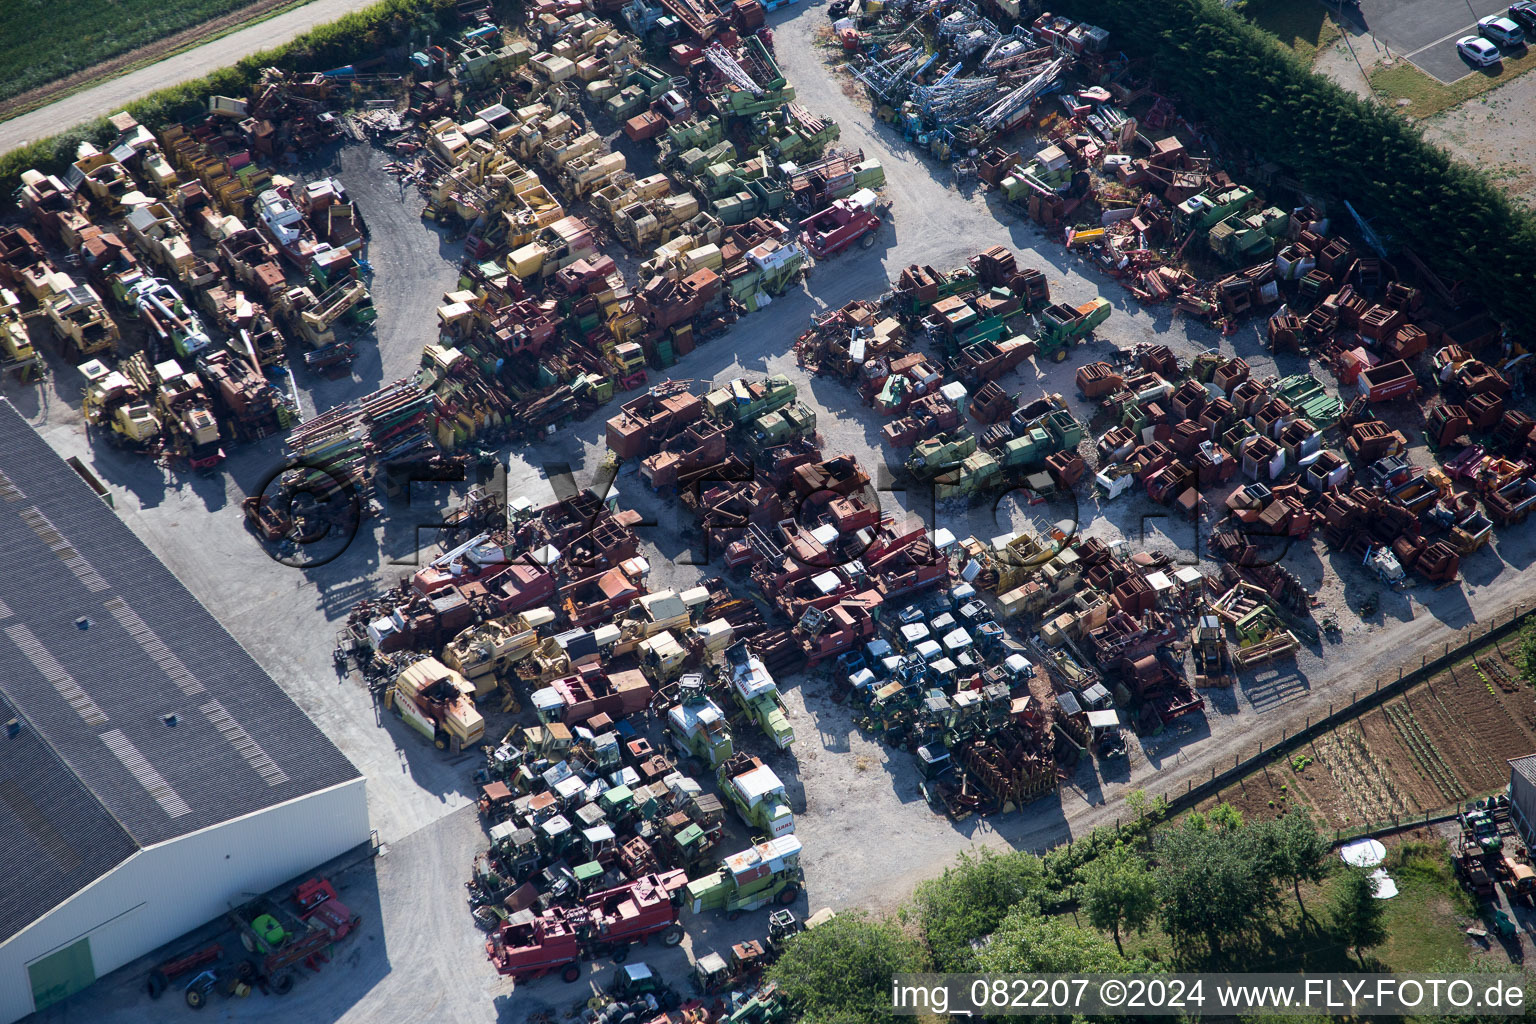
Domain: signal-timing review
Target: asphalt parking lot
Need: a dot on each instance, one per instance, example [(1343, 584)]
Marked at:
[(1425, 31)]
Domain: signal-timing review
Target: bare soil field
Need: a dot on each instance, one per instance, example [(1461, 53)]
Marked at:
[(1445, 741)]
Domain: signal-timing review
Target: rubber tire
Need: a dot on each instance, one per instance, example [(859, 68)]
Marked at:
[(248, 942), (197, 998), (571, 974), (788, 896), (867, 241), (282, 984), (157, 984), (440, 744), (734, 915), (620, 955), (672, 936)]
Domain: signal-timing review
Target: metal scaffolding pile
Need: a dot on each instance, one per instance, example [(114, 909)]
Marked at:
[(1002, 113), (891, 79), (351, 440), (730, 68)]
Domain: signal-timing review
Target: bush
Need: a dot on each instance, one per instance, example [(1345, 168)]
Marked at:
[(1025, 942), (354, 37), (1256, 95), (840, 972), (969, 900)]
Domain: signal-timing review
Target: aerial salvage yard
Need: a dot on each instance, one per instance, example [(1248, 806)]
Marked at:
[(712, 470)]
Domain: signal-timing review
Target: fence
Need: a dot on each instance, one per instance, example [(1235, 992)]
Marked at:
[(1357, 706)]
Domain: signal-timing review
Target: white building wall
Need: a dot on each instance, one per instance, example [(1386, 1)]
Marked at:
[(168, 890)]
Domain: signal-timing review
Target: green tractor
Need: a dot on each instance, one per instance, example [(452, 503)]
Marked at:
[(940, 453), (1063, 326), (635, 981)]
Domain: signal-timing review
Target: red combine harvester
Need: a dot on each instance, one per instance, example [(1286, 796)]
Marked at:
[(840, 225), (526, 946)]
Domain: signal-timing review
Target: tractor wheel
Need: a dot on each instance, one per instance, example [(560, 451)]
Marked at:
[(197, 998), (789, 896), (248, 942), (672, 936), (1060, 355), (282, 984), (440, 743), (157, 985), (621, 954), (867, 241), (571, 973)]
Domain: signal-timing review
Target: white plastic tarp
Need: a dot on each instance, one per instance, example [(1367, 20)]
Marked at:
[(1363, 853)]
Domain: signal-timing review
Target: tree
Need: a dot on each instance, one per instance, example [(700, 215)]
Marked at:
[(1526, 658), (969, 900), (1297, 851), (1224, 815), (1357, 913), (1212, 884), (840, 972), (1026, 942), (1119, 892)]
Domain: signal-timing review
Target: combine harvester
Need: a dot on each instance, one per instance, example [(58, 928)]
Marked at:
[(758, 695)]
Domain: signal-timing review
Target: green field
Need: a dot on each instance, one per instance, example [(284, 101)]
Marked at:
[(42, 41)]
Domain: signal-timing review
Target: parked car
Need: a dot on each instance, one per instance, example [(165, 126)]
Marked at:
[(1523, 14), (1477, 51), (1501, 31)]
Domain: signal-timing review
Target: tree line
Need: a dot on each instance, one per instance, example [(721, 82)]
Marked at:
[(1213, 884), (353, 37), (1257, 96)]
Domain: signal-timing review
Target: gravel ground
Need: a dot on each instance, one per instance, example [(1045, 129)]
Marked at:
[(1488, 131), (868, 834), (1495, 132)]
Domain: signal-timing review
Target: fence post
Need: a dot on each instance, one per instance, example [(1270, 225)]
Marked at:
[(1378, 686)]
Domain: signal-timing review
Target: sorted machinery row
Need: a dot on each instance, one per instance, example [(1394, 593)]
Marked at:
[(175, 240), (598, 839), (545, 325)]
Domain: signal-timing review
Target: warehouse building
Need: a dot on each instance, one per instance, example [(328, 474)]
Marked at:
[(1522, 796), (152, 776)]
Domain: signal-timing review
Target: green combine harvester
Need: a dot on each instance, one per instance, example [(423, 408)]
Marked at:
[(767, 872)]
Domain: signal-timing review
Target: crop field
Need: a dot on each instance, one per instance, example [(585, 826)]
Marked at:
[(42, 41), (1439, 743)]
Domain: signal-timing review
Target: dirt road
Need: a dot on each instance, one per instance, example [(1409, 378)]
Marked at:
[(111, 95)]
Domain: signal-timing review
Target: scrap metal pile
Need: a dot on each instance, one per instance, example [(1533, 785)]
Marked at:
[(507, 148), (597, 838), (849, 587), (187, 235), (950, 78)]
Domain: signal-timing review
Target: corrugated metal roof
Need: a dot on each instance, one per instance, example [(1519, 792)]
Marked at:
[(55, 837), (146, 708), (1525, 767)]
